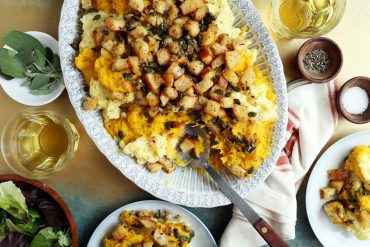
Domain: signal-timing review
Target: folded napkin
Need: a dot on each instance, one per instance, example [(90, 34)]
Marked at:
[(312, 120)]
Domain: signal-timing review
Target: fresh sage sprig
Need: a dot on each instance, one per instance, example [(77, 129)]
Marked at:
[(29, 59)]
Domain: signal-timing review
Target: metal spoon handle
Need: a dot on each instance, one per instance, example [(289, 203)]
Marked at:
[(261, 226)]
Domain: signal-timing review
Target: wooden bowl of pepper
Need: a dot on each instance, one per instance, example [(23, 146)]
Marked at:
[(320, 60)]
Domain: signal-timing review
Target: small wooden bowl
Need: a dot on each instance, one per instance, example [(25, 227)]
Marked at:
[(54, 195), (364, 83), (334, 53)]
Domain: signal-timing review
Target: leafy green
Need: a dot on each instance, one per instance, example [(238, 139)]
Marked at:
[(20, 41), (51, 237), (11, 65), (30, 60), (13, 201)]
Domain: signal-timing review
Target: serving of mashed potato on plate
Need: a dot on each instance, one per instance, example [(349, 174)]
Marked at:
[(154, 66)]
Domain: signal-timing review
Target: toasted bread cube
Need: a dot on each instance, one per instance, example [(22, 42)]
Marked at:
[(188, 102), (231, 77), (192, 27), (226, 102), (216, 93), (240, 112), (195, 67), (327, 192), (120, 231), (200, 13), (208, 72), (119, 49), (176, 70), (168, 78), (233, 58), (218, 61), (153, 44), (147, 222), (86, 4), (160, 6), (154, 20), (190, 92), (153, 111), (181, 21), (337, 185), (90, 103), (152, 82), (222, 113), (120, 64), (139, 32), (207, 38), (203, 85), (152, 99), (164, 99), (338, 174), (335, 211), (224, 39), (219, 49), (137, 5), (170, 92), (222, 82), (153, 167), (212, 108), (98, 35), (140, 99), (108, 44), (141, 48), (114, 24), (248, 77), (183, 83), (174, 47), (163, 56), (168, 166), (190, 6), (238, 171), (187, 144), (175, 31), (173, 12), (206, 55), (133, 63)]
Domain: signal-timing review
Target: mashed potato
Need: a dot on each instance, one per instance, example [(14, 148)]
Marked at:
[(359, 162)]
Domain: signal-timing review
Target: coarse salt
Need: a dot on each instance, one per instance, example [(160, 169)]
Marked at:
[(355, 100)]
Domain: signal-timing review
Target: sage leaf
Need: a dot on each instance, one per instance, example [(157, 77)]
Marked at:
[(39, 58), (25, 56), (40, 92), (56, 62), (26, 83), (20, 41), (6, 77), (49, 54), (39, 81), (11, 66)]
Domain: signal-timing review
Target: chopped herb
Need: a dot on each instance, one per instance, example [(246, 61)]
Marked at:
[(181, 108), (227, 94), (105, 32), (219, 91), (237, 101), (251, 170), (252, 114), (127, 76), (97, 17), (146, 39), (169, 125), (120, 134), (236, 89)]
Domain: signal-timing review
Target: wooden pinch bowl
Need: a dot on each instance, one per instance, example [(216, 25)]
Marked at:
[(334, 53), (53, 194), (364, 83)]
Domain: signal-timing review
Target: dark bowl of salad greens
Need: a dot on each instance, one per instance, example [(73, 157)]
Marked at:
[(33, 215)]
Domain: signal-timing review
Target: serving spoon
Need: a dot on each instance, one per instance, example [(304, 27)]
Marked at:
[(261, 226)]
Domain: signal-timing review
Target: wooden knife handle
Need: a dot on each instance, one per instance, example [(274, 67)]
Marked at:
[(269, 235)]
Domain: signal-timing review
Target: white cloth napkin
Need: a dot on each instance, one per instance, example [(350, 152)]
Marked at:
[(312, 120)]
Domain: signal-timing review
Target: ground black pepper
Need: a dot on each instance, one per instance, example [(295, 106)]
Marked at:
[(316, 61)]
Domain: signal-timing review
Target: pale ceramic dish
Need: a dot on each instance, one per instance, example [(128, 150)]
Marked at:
[(183, 186), (328, 233), (22, 94), (202, 236)]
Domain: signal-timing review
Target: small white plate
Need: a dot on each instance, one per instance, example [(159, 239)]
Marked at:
[(328, 233), (202, 236), (22, 94)]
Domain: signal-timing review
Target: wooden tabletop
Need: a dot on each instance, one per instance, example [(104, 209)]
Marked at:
[(93, 188)]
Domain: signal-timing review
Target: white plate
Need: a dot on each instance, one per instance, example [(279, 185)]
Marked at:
[(202, 236), (328, 233), (22, 94), (183, 186)]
